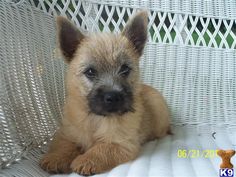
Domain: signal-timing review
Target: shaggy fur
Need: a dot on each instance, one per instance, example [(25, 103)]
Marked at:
[(89, 143)]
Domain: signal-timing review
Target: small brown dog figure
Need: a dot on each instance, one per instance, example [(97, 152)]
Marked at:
[(226, 156), (108, 112)]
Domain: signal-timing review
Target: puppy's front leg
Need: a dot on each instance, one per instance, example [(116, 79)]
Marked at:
[(102, 157), (61, 153)]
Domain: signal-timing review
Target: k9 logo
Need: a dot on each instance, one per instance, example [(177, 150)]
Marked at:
[(226, 172)]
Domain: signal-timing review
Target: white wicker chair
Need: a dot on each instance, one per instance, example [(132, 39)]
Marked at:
[(190, 57)]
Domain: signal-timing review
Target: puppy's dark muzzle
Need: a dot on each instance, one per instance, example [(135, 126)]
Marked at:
[(113, 101), (107, 101)]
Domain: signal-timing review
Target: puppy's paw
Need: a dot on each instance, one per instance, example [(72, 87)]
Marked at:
[(86, 166), (56, 163)]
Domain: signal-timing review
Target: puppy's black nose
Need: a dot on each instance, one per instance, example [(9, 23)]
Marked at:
[(112, 97)]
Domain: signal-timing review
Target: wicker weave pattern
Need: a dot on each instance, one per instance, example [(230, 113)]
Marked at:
[(198, 83), (31, 80), (196, 23), (196, 76)]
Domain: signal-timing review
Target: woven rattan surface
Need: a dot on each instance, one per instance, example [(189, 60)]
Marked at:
[(31, 80), (190, 57)]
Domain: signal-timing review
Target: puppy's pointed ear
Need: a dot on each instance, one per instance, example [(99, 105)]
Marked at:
[(69, 37), (136, 31)]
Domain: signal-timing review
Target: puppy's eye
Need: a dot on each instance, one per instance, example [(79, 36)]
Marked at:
[(90, 73), (124, 70)]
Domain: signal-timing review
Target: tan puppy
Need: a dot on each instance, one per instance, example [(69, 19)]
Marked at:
[(108, 113)]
